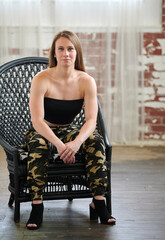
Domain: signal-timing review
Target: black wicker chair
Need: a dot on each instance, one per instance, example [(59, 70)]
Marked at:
[(65, 181)]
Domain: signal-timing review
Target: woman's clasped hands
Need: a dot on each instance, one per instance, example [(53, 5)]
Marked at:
[(68, 151)]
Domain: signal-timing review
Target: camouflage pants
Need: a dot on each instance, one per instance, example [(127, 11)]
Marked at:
[(39, 152)]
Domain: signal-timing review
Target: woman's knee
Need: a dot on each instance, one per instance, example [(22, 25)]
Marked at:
[(96, 141)]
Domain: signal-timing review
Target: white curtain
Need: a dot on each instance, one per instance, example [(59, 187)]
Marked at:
[(20, 29), (124, 95), (27, 28)]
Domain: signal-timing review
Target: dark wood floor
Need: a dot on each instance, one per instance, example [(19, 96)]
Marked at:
[(138, 187)]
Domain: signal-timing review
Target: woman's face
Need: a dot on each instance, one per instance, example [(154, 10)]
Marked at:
[(65, 52)]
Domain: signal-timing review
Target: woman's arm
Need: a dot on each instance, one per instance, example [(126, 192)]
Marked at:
[(91, 109), (37, 92)]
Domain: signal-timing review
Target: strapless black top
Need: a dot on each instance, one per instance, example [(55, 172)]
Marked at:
[(61, 111)]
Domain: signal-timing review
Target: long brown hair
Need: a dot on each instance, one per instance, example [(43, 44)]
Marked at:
[(79, 63)]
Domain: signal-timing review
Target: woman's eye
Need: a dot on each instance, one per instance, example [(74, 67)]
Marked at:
[(60, 49), (70, 49)]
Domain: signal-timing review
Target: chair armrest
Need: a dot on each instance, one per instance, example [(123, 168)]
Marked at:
[(103, 127), (12, 156), (7, 147)]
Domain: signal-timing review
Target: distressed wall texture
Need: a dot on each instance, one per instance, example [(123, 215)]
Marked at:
[(154, 80)]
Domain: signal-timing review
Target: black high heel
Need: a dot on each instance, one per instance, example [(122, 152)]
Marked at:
[(36, 216), (101, 211)]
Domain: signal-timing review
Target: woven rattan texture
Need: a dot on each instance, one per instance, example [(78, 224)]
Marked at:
[(15, 85), (56, 184)]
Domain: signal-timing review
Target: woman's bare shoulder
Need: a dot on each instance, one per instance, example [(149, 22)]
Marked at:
[(86, 79), (40, 82), (42, 74), (87, 84), (42, 77)]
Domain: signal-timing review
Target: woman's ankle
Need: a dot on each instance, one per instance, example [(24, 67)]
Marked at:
[(99, 197), (37, 202)]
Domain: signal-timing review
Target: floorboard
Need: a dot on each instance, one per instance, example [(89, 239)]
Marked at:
[(138, 203)]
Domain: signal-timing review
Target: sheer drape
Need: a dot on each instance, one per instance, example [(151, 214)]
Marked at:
[(19, 29), (124, 97), (27, 27)]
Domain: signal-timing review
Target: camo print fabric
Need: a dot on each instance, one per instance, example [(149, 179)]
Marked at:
[(39, 152)]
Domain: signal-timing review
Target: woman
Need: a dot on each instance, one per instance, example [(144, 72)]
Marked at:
[(56, 97)]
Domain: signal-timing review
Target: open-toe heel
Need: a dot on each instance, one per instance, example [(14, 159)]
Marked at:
[(36, 216), (100, 210)]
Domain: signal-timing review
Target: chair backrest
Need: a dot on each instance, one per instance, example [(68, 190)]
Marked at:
[(15, 82)]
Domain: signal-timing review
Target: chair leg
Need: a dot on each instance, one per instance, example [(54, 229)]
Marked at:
[(11, 200), (17, 211)]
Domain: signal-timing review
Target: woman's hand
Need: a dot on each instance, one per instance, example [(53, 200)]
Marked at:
[(68, 153)]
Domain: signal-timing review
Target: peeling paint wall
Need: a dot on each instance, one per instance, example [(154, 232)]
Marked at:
[(154, 81)]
